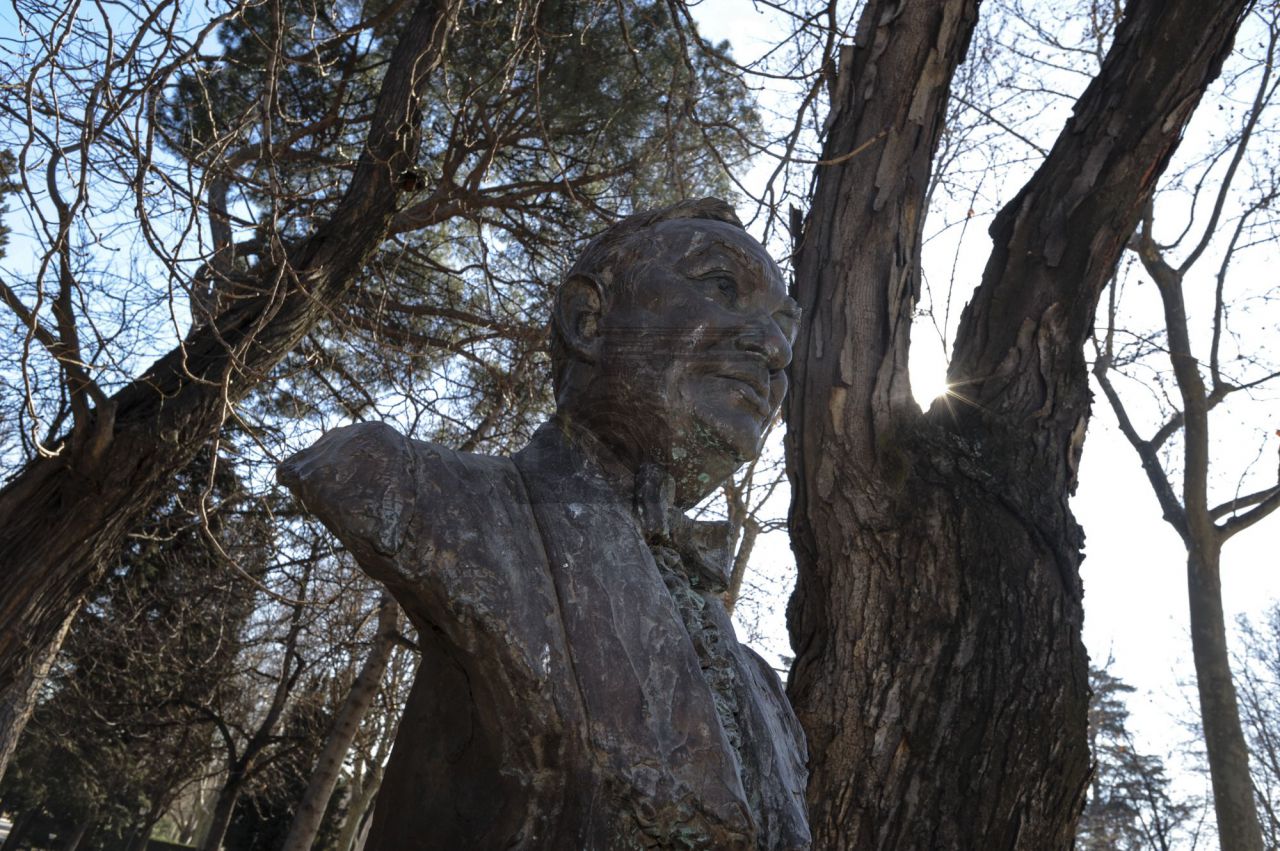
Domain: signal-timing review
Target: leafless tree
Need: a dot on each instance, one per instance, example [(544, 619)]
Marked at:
[(1258, 683), (938, 588), (1227, 223)]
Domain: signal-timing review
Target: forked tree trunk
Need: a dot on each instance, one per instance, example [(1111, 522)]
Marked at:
[(1228, 754), (360, 812), (324, 779), (62, 518), (939, 671)]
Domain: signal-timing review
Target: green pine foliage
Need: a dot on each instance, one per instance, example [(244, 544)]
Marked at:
[(538, 130)]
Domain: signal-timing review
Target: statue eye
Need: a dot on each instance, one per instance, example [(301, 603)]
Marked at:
[(788, 321), (722, 286)]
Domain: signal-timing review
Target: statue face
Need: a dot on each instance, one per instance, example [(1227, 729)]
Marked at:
[(693, 342)]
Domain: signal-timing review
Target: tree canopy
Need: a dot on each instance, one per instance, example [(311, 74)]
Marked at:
[(233, 225)]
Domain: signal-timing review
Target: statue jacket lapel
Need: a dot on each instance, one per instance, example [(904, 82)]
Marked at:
[(651, 715), (650, 718)]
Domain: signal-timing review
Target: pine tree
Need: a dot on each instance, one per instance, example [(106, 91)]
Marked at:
[(1131, 805)]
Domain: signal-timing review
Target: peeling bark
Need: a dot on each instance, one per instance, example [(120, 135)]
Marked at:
[(940, 674)]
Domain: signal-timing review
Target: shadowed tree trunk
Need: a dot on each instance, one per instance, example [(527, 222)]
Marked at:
[(939, 672), (324, 779), (63, 517), (19, 700), (18, 832), (81, 835), (224, 807)]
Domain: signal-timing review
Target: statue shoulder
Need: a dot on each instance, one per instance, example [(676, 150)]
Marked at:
[(362, 482), (451, 534), (361, 450)]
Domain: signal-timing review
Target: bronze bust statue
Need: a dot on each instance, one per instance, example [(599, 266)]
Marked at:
[(581, 686)]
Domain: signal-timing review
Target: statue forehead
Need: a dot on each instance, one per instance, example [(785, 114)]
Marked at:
[(686, 244), (684, 238)]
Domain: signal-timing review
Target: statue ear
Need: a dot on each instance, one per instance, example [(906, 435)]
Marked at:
[(579, 305)]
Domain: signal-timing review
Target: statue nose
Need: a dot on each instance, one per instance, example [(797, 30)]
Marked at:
[(764, 337)]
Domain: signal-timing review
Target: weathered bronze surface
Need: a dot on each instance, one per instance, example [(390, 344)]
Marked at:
[(581, 686)]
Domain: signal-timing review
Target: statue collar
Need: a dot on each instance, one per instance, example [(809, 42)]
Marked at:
[(704, 546)]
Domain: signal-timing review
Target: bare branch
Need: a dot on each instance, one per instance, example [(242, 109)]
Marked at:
[(1241, 502), (1147, 453), (1260, 511), (1251, 122)]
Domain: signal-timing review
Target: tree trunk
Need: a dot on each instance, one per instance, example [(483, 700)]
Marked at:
[(1228, 755), (366, 827), (306, 822), (21, 827), (81, 835), (142, 833), (18, 701), (360, 811), (62, 518), (939, 671), (228, 797)]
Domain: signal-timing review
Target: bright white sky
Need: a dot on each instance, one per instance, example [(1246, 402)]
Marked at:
[(1134, 572)]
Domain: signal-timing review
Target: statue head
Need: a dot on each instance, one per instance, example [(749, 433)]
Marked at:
[(670, 337)]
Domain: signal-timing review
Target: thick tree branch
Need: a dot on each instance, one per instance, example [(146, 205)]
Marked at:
[(1242, 502), (1058, 241)]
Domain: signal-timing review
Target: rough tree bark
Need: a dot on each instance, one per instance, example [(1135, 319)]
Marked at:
[(939, 672), (324, 779), (63, 517), (18, 701)]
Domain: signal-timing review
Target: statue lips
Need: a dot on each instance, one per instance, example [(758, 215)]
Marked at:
[(751, 385)]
